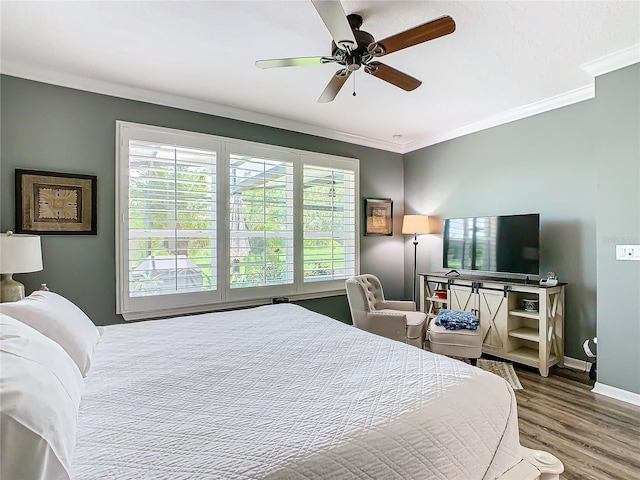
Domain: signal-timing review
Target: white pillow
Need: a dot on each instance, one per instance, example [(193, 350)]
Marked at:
[(61, 321), (39, 399)]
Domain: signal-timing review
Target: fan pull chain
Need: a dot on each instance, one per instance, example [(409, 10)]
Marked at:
[(354, 84)]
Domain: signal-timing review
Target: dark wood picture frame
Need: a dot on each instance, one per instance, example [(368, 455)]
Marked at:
[(53, 203), (378, 217)]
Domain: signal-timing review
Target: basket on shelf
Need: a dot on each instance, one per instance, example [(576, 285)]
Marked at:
[(530, 304)]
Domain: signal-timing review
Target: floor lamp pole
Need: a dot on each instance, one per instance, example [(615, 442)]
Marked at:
[(415, 264), (415, 225)]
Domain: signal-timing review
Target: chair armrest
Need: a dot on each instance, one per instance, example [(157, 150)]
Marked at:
[(387, 324), (406, 305)]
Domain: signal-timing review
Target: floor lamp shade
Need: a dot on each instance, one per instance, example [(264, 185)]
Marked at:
[(18, 254), (415, 225)]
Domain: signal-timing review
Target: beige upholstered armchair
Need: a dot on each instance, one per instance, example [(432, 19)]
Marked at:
[(397, 320)]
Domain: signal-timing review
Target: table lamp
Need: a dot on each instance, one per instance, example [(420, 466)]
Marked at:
[(415, 225), (18, 254)]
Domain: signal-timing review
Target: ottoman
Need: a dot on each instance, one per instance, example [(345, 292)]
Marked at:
[(455, 343)]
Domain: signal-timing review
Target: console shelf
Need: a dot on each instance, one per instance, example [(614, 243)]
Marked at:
[(438, 300), (508, 330), (526, 333), (525, 314)]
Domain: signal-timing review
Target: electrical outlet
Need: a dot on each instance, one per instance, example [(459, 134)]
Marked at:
[(628, 252)]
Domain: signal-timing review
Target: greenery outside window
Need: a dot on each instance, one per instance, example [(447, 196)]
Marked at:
[(206, 222)]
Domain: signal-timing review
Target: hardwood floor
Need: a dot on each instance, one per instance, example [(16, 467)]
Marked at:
[(597, 438)]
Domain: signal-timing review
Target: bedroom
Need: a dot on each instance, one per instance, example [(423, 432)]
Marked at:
[(51, 127)]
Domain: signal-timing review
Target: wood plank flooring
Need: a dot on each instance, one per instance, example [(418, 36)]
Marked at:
[(597, 438)]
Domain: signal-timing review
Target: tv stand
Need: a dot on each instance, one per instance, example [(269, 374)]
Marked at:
[(534, 338)]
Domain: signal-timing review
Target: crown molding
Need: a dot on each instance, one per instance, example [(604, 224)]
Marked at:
[(613, 61), (185, 103), (600, 66), (562, 100)]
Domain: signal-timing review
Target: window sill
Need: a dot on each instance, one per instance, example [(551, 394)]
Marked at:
[(174, 312)]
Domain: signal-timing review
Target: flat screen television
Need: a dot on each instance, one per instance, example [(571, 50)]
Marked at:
[(501, 244)]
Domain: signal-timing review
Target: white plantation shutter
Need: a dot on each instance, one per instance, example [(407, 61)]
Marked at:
[(261, 222), (206, 222), (329, 222), (172, 219)]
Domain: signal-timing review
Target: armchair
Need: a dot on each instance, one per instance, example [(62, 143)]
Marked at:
[(397, 320)]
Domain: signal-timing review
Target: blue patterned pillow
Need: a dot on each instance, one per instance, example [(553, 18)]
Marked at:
[(457, 320)]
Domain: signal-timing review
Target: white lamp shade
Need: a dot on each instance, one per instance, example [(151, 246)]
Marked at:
[(413, 224), (20, 253)]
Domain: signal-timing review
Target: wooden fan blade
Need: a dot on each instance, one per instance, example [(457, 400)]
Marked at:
[(422, 33), (336, 22), (293, 62), (393, 76), (334, 86)]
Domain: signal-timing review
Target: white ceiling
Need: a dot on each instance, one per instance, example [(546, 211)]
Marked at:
[(505, 60)]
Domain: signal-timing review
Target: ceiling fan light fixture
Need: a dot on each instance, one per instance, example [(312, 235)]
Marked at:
[(353, 63)]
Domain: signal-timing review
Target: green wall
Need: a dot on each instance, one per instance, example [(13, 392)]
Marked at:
[(617, 153), (577, 166), (47, 127)]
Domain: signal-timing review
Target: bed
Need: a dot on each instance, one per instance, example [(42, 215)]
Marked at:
[(282, 392)]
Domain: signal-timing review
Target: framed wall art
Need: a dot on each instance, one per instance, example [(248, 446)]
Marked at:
[(55, 203), (378, 216)]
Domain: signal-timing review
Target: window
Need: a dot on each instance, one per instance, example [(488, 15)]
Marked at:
[(329, 223), (206, 222), (261, 222)]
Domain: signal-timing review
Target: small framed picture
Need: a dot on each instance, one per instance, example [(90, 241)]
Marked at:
[(55, 203), (378, 216)]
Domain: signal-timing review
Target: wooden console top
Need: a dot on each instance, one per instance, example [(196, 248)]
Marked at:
[(489, 278)]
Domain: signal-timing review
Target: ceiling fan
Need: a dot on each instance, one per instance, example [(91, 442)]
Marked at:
[(354, 48)]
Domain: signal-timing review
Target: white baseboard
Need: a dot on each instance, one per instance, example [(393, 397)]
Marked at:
[(617, 393), (575, 364), (601, 388)]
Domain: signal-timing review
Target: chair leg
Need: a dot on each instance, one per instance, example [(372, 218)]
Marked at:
[(473, 361)]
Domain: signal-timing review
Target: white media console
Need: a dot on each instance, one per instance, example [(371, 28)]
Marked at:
[(509, 331)]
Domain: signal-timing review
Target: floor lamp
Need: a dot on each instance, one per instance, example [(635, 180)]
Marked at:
[(415, 225)]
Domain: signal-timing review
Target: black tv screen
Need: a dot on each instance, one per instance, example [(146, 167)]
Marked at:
[(504, 244)]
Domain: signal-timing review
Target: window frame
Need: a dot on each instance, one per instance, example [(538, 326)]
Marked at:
[(133, 308)]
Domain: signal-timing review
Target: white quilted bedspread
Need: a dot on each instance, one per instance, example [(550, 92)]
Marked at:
[(282, 392)]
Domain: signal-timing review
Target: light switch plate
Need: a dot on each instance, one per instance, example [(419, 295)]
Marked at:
[(628, 252)]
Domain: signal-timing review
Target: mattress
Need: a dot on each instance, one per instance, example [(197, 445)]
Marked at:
[(282, 392)]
